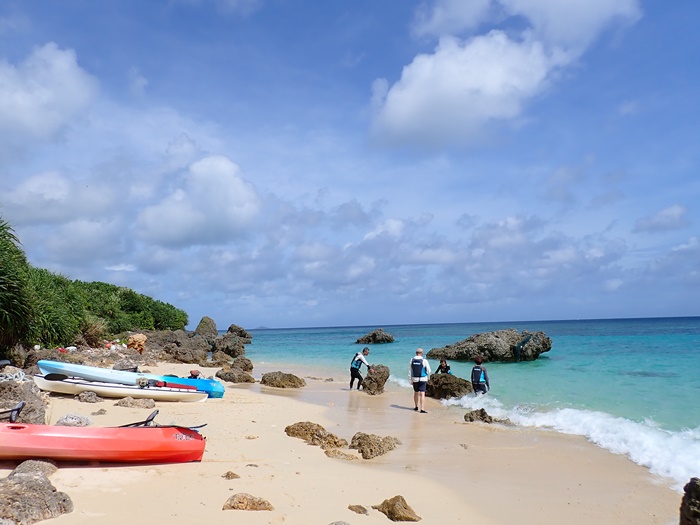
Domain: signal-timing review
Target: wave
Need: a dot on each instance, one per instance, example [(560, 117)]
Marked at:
[(674, 455)]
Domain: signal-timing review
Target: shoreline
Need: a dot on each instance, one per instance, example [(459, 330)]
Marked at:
[(448, 471)]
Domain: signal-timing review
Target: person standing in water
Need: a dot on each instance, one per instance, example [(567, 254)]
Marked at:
[(355, 365), (418, 373), (480, 377), (444, 368)]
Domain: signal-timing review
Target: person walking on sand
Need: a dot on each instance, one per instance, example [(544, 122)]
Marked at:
[(355, 365), (418, 373), (480, 377)]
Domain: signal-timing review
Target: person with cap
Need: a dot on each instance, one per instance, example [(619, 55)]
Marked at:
[(418, 373), (357, 361)]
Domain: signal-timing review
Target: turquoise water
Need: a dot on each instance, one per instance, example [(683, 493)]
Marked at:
[(631, 386)]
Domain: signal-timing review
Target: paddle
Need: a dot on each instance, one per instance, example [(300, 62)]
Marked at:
[(12, 413)]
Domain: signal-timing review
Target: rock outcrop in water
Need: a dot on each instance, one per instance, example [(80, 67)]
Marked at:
[(378, 336), (502, 345)]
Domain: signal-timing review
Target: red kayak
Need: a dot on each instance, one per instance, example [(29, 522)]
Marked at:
[(128, 444)]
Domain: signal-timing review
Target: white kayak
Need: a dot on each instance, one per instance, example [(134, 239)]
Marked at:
[(74, 386)]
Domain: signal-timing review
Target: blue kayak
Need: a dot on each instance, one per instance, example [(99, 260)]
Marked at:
[(212, 387)]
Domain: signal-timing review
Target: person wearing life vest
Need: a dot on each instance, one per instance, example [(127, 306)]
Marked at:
[(418, 373), (480, 377), (444, 368), (355, 365)]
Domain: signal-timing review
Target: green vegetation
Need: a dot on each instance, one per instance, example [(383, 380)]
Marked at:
[(41, 307)]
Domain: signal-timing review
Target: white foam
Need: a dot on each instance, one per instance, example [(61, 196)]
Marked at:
[(675, 455)]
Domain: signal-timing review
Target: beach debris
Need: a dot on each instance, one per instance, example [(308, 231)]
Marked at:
[(445, 386), (396, 509), (137, 342), (339, 523), (336, 453), (375, 380), (501, 345), (73, 420), (358, 509), (371, 445), (11, 393), (378, 336), (231, 475), (315, 434), (100, 412), (243, 501), (282, 380), (27, 496), (130, 402), (690, 504), (251, 437), (89, 397)]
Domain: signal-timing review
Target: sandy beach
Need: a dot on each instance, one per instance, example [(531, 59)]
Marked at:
[(449, 471)]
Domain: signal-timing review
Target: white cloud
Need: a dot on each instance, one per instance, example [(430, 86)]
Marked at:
[(213, 205), (671, 218), (137, 82), (446, 97), (42, 94), (449, 17)]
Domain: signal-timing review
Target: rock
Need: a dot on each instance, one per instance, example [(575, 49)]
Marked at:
[(243, 363), (315, 434), (235, 375), (219, 358), (207, 329), (100, 412), (89, 397), (192, 350), (375, 380), (126, 364), (27, 496), (336, 453), (11, 393), (445, 386), (396, 509), (240, 332), (230, 344), (690, 504), (130, 402), (231, 475), (481, 415), (358, 509), (73, 420), (378, 336), (371, 445), (502, 345), (137, 342), (339, 523), (243, 501), (282, 380)]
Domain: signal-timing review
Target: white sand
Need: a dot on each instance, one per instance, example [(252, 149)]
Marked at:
[(448, 471)]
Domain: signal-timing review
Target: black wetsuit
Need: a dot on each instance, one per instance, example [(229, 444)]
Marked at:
[(355, 365), (480, 380)]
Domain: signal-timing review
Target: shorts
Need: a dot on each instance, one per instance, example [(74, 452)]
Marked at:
[(419, 386)]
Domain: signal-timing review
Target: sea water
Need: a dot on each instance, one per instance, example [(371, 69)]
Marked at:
[(631, 386)]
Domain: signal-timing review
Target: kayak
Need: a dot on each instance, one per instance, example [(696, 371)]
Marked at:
[(212, 387), (129, 444), (74, 386)]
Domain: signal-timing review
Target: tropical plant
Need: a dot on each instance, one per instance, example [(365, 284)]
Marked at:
[(15, 307)]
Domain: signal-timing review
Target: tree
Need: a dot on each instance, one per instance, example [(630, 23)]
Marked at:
[(15, 296)]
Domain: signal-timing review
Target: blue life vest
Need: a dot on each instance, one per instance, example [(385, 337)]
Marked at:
[(356, 363), (417, 368), (478, 375)]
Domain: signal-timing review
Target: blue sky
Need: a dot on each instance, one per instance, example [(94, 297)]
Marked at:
[(285, 163)]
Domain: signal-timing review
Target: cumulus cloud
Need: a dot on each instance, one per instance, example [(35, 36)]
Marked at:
[(671, 218), (213, 205), (446, 97), (40, 96)]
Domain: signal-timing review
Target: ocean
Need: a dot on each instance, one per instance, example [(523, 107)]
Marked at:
[(631, 386)]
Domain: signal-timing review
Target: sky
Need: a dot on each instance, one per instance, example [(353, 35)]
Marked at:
[(286, 163)]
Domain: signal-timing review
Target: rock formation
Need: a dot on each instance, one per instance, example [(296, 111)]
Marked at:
[(235, 375), (690, 504), (378, 336), (207, 329), (371, 445), (27, 496), (315, 434), (445, 386), (502, 345), (282, 380), (243, 501), (375, 380), (396, 509)]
